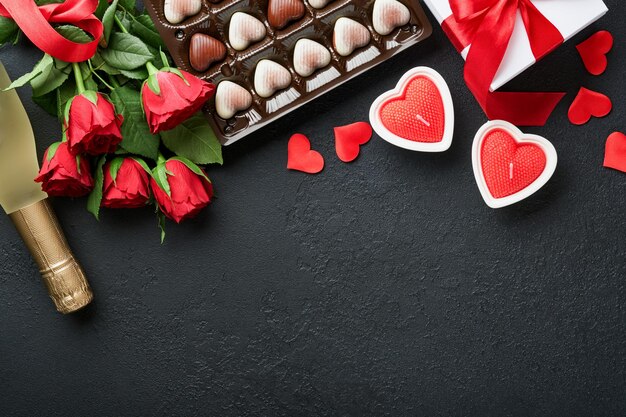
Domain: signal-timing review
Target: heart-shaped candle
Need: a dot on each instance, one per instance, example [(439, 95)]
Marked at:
[(309, 56), (509, 165), (176, 11), (204, 50), (244, 30), (270, 77), (231, 98), (418, 114), (349, 35), (388, 15), (281, 12)]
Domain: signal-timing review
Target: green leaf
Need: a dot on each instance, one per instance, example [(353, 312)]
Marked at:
[(161, 220), (103, 5), (144, 28), (135, 130), (9, 31), (115, 166), (45, 64), (160, 176), (193, 167), (108, 22), (140, 73), (91, 96), (194, 139), (153, 84), (50, 79), (52, 149), (95, 197), (126, 52), (73, 33), (128, 5), (64, 94), (143, 165)]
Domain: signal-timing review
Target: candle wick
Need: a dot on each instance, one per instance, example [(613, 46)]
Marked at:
[(421, 119)]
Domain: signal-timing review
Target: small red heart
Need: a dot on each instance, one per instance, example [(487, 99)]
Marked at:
[(349, 138), (615, 152), (593, 51), (508, 166), (300, 157), (588, 103)]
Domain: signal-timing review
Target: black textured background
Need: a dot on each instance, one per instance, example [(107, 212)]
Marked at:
[(382, 287)]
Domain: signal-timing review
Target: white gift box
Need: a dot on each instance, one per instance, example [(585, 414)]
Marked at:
[(568, 16)]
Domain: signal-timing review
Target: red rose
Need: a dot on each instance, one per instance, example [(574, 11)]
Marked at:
[(190, 192), (64, 174), (130, 189), (177, 100), (93, 128)]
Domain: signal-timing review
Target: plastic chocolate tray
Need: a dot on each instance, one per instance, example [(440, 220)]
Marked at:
[(268, 57)]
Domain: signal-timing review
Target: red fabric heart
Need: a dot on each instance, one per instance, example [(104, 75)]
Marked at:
[(300, 157), (593, 51), (588, 103), (615, 152), (508, 166), (418, 114), (349, 138)]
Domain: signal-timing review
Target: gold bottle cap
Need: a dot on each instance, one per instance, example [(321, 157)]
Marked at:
[(61, 273)]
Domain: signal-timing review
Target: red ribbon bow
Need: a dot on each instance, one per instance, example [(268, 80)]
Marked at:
[(35, 22), (488, 25)]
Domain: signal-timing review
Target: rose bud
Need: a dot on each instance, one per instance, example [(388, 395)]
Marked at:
[(93, 126), (169, 98), (190, 189), (126, 185), (63, 173)]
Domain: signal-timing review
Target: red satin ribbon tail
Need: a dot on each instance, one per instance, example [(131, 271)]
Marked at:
[(521, 109), (35, 23)]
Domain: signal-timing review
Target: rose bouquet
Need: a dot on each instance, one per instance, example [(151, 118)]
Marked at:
[(132, 131)]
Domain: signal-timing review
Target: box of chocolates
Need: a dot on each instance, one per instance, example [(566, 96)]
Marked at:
[(268, 57)]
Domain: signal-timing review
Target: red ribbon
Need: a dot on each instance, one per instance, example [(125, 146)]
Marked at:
[(488, 25), (35, 22)]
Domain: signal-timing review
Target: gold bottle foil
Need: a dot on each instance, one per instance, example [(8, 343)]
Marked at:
[(63, 276)]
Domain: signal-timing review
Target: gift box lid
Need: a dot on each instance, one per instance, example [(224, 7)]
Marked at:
[(569, 17)]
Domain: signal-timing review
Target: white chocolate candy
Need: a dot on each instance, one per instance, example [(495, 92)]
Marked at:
[(176, 11), (388, 15), (231, 98), (349, 35), (270, 77), (244, 30), (318, 4), (309, 56)]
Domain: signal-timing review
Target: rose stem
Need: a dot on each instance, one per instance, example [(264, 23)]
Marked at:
[(79, 78), (120, 24)]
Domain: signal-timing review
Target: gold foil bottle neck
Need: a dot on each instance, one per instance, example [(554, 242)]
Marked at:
[(61, 273)]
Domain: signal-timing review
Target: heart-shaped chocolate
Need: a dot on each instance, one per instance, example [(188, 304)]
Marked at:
[(176, 11), (309, 56), (231, 98), (349, 35), (204, 50), (281, 12), (270, 77), (319, 4), (509, 166), (388, 15), (244, 30), (418, 114)]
